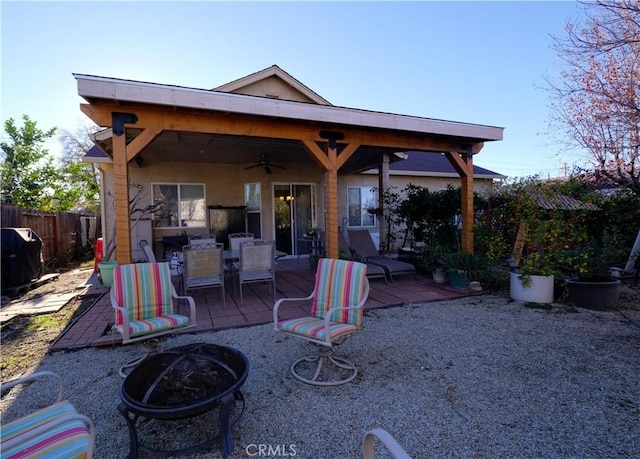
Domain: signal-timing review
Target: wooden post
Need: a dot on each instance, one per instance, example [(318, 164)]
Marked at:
[(383, 184), (121, 193)]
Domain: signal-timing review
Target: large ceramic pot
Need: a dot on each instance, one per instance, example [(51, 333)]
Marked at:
[(459, 281), (531, 288), (599, 295)]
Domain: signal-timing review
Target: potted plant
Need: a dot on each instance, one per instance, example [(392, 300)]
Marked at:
[(463, 267), (590, 284), (533, 280), (429, 262)]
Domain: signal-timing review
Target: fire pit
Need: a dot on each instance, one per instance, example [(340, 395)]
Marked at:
[(182, 383)]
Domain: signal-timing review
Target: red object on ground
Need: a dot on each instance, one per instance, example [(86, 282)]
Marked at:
[(98, 254)]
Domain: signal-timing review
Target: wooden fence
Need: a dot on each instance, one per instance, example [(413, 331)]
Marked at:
[(60, 231)]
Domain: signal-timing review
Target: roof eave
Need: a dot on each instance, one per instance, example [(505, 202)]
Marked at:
[(95, 87)]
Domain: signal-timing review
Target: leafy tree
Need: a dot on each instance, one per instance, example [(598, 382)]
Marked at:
[(29, 176), (596, 100)]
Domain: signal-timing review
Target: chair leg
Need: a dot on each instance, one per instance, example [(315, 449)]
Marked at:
[(325, 356)]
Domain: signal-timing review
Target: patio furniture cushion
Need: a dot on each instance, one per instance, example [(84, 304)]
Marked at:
[(339, 283), (68, 439), (144, 289), (141, 327), (142, 296), (309, 326), (55, 431)]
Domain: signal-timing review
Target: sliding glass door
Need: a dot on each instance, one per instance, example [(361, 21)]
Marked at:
[(294, 211)]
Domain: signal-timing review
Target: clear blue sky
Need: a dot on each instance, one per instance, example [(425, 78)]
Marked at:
[(478, 62)]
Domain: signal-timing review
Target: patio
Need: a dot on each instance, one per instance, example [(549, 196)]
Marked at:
[(294, 279)]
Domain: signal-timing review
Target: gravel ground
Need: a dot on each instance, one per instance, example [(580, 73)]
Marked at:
[(479, 377)]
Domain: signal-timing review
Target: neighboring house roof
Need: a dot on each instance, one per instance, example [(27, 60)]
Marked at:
[(562, 202), (432, 164), (272, 82)]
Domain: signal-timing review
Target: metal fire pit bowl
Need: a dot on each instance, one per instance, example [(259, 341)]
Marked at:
[(182, 383)]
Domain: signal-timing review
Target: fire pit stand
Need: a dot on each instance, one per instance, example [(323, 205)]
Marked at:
[(182, 383)]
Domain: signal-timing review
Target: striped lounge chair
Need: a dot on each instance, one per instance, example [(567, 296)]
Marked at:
[(341, 289), (142, 295), (56, 431)]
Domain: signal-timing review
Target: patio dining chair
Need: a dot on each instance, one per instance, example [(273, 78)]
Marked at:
[(235, 239), (257, 264), (56, 430), (204, 268), (142, 296), (341, 289), (203, 242)]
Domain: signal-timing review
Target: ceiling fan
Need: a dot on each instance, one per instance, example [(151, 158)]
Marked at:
[(266, 164)]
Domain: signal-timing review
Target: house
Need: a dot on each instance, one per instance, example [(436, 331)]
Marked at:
[(263, 153)]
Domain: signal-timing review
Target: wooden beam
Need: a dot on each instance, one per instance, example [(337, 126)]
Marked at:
[(279, 128), (319, 156), (144, 138)]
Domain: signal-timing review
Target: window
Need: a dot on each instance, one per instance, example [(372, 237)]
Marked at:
[(252, 198), (183, 205), (360, 200)]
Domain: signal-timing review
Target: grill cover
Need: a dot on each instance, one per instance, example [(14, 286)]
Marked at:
[(21, 256)]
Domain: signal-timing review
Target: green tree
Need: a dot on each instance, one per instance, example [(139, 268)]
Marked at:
[(29, 176)]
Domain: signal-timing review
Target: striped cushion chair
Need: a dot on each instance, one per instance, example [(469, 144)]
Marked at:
[(56, 430), (341, 289), (142, 295)]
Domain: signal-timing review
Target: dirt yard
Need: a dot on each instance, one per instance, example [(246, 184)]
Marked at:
[(26, 339)]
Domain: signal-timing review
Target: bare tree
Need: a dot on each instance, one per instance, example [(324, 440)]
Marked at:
[(596, 99), (84, 175)]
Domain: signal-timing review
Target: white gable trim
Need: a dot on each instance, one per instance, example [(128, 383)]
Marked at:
[(276, 71)]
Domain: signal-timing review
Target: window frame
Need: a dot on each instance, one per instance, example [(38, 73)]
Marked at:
[(363, 209), (178, 186)]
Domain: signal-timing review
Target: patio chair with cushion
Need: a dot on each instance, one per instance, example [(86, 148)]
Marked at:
[(341, 289), (142, 296), (55, 431), (204, 268), (363, 248), (257, 264)]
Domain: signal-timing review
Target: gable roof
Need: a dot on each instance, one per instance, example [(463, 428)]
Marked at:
[(274, 83), (433, 164)]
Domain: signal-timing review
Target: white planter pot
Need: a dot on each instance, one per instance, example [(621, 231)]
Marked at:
[(440, 276), (538, 289)]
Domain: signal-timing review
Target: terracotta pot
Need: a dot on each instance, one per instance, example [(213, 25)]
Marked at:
[(598, 295)]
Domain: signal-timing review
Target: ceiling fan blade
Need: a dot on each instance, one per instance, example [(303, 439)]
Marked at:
[(268, 169), (251, 167), (279, 167)]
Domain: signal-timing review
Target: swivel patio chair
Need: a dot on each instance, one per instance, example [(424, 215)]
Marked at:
[(363, 248), (55, 431), (142, 296), (341, 289)]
